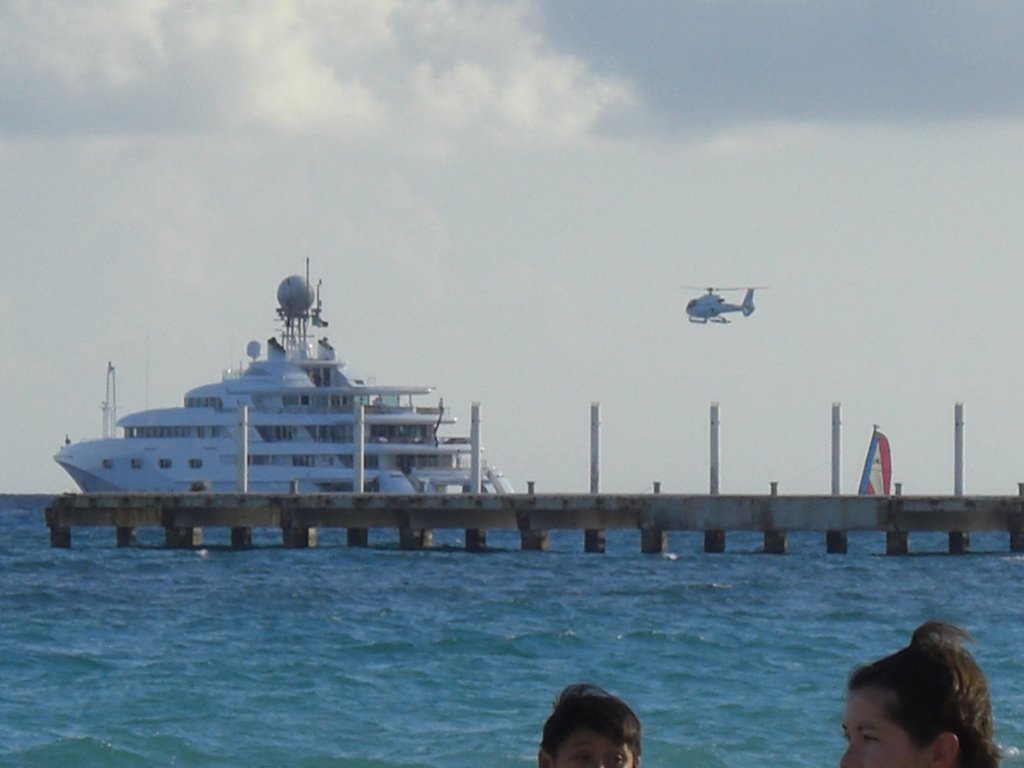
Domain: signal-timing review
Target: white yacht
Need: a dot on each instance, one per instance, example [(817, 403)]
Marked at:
[(285, 422)]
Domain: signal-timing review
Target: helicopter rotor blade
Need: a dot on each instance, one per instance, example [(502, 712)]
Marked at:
[(712, 289)]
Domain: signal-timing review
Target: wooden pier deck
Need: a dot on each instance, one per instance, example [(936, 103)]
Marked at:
[(654, 515)]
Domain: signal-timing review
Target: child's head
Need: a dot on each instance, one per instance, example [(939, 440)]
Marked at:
[(589, 726)]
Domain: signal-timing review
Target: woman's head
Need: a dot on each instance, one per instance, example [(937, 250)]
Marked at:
[(934, 692)]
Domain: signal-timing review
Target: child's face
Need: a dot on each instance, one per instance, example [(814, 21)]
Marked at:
[(589, 749)]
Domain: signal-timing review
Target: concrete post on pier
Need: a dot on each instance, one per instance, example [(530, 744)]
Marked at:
[(653, 541), (713, 450), (958, 449), (959, 541), (836, 542), (714, 540), (359, 450), (776, 542), (594, 539), (1017, 524), (475, 471), (476, 538), (358, 537), (243, 449), (897, 542)]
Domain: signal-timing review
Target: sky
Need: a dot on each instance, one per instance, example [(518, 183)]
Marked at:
[(505, 200)]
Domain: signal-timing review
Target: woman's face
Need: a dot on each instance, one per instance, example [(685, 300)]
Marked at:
[(874, 741)]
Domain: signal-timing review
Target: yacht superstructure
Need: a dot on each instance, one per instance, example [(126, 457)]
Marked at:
[(286, 421)]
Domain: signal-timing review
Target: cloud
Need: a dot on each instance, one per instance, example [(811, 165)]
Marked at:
[(706, 63), (425, 72)]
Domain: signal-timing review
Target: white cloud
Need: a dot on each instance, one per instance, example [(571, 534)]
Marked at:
[(420, 72), (702, 65), (82, 45)]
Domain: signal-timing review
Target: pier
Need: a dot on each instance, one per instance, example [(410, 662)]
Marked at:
[(415, 516)]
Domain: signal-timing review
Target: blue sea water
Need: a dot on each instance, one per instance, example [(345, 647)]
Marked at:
[(382, 658)]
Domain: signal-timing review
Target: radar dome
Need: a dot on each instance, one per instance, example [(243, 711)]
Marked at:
[(295, 296)]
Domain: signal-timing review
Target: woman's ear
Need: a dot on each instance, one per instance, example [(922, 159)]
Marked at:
[(544, 760), (945, 750)]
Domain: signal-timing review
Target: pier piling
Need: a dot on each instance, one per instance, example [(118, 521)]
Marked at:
[(182, 537), (476, 540), (125, 536), (653, 541), (357, 537), (595, 540), (415, 538), (241, 537), (897, 541)]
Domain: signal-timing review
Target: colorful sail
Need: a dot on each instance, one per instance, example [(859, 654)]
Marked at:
[(877, 477)]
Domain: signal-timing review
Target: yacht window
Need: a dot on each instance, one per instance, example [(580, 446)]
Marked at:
[(108, 463), (136, 463), (203, 402), (165, 463), (195, 463)]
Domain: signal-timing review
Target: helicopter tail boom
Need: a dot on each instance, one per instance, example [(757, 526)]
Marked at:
[(748, 303)]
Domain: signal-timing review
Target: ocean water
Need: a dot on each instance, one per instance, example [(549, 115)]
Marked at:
[(385, 658)]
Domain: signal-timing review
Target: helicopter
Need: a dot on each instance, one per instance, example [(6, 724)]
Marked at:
[(711, 306)]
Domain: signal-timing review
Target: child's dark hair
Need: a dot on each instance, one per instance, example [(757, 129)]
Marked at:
[(933, 686), (583, 705)]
